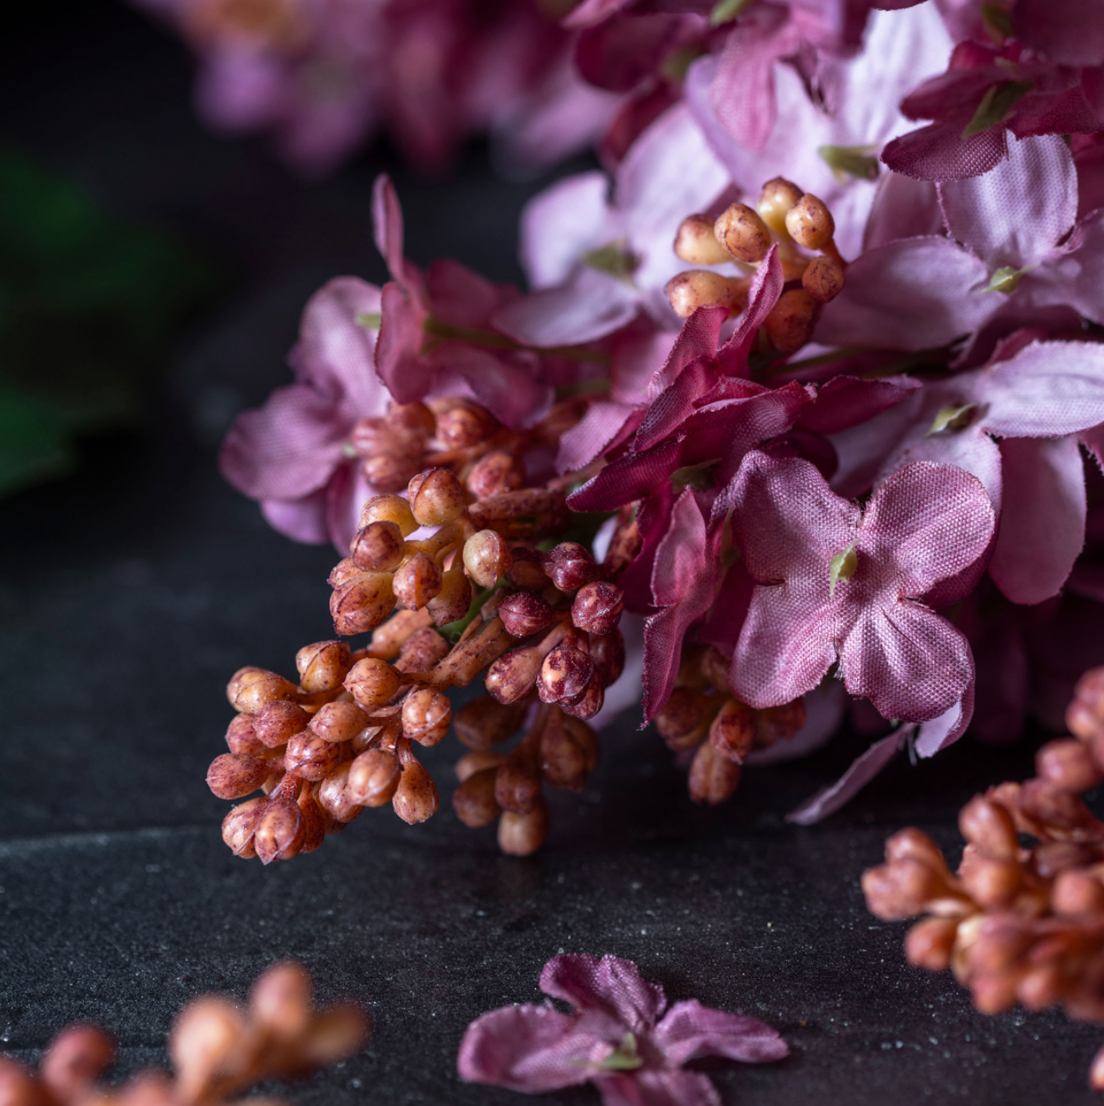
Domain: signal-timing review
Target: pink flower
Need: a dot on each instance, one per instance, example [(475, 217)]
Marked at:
[(619, 1038), (840, 583)]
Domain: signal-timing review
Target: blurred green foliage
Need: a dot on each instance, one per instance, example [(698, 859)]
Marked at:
[(88, 309)]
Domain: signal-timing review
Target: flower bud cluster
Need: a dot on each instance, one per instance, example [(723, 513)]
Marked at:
[(218, 1049), (797, 221), (712, 731), (1017, 922)]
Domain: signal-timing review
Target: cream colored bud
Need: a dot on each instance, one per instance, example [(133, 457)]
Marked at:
[(696, 244), (743, 233)]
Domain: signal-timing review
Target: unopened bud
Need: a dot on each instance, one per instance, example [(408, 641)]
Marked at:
[(277, 723), (991, 883), (322, 666), (474, 800), (415, 799), (486, 557), (930, 943), (453, 601), (513, 674), (373, 778), (311, 757), (343, 572), (791, 321), (416, 418), (900, 889), (462, 423), (523, 834), (389, 508), (517, 783), (251, 689), (913, 844), (564, 674), (1077, 892), (478, 761), (684, 719), (436, 497), (696, 244), (233, 776), (713, 778), (823, 279), (77, 1057), (338, 721), (732, 732), (280, 831), (778, 197), (779, 723), (422, 651), (239, 825), (203, 1036), (1068, 764), (526, 571), (569, 565), (989, 827), (589, 703), (608, 653), (242, 738), (810, 223), (743, 233), (704, 288), (563, 761), (315, 822), (417, 582), (372, 682), (425, 716), (362, 603), (335, 797), (483, 723), (524, 613), (378, 547), (494, 474), (597, 607), (281, 1000), (392, 471)]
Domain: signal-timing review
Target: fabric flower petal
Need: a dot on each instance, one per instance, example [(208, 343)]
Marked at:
[(690, 1030), (657, 1088), (610, 986), (302, 520), (560, 224)]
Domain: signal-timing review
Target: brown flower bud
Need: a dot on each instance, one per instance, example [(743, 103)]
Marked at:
[(278, 722), (362, 603), (322, 666), (564, 674), (1052, 857), (242, 738), (523, 834), (704, 288), (474, 800), (743, 233), (18, 1087), (526, 570), (597, 607), (422, 651), (343, 572), (76, 1058), (563, 761), (415, 799), (900, 889), (1069, 765), (373, 778), (436, 497), (1055, 807), (461, 423), (494, 474), (311, 757), (239, 825), (378, 547), (713, 778), (391, 471), (778, 723), (930, 943), (280, 830), (791, 321), (251, 689), (569, 566), (585, 738), (315, 820), (513, 674), (414, 417), (823, 279), (608, 653), (205, 1034), (338, 721), (518, 784), (778, 197), (372, 683), (1077, 892), (524, 613), (486, 557), (426, 716), (389, 508), (454, 599), (810, 223), (482, 723), (1040, 987), (281, 1000), (684, 719), (233, 776), (417, 582), (989, 827), (732, 732), (479, 761), (990, 882), (335, 796), (589, 703), (696, 244), (914, 844)]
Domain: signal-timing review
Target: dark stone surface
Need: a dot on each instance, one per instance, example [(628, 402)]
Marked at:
[(130, 591)]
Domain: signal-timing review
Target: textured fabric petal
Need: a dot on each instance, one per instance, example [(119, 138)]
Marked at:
[(462, 297), (1074, 276), (1018, 212), (398, 349), (938, 152), (346, 493), (1068, 32), (826, 706), (560, 224), (531, 1049), (301, 520), (910, 663), (508, 387), (657, 1088), (929, 522), (387, 222), (689, 1031), (903, 208), (1048, 388), (590, 12), (629, 478), (681, 554), (948, 727), (763, 293), (1042, 525), (862, 771), (592, 434), (286, 449), (846, 400), (911, 295), (609, 986), (696, 340)]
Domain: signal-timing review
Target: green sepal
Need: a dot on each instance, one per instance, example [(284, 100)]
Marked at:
[(370, 320), (995, 105), (841, 568), (614, 260), (951, 418), (860, 162), (724, 11)]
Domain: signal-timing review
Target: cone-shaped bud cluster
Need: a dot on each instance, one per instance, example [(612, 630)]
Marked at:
[(393, 445)]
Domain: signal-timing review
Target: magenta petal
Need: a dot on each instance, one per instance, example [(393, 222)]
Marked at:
[(299, 519), (930, 522), (592, 434), (845, 401), (696, 340), (562, 223), (690, 1030), (1068, 32), (398, 349), (285, 449), (346, 493), (1018, 212), (938, 152), (1042, 525), (657, 1088), (862, 771), (388, 222), (531, 1049), (590, 12), (763, 293), (1074, 277), (682, 552), (910, 663), (590, 306), (509, 389), (611, 986), (948, 727), (916, 294), (627, 479)]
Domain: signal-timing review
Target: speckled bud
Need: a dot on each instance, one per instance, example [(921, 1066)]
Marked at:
[(335, 798), (524, 613), (322, 666), (426, 716), (474, 800), (696, 244), (486, 557), (239, 825), (791, 321), (743, 233), (378, 547), (713, 778), (495, 473), (233, 776), (778, 197), (311, 757), (569, 565), (278, 722), (823, 279), (696, 288), (483, 723), (372, 682), (422, 651), (452, 602), (417, 582), (389, 508), (564, 674), (362, 603), (526, 569), (461, 423), (810, 223), (242, 738), (436, 497), (280, 831), (597, 607), (415, 799), (337, 722), (732, 732), (251, 689)]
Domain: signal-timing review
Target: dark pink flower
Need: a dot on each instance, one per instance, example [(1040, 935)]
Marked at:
[(620, 1038), (840, 583)]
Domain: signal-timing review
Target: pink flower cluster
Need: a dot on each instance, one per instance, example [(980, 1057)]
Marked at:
[(861, 433)]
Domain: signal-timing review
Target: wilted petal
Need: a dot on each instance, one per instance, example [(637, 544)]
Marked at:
[(611, 986), (910, 663), (1042, 525), (696, 340), (531, 1049), (1018, 212), (690, 1030), (916, 294), (657, 1088)]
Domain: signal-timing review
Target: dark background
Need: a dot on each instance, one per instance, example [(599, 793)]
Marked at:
[(131, 589)]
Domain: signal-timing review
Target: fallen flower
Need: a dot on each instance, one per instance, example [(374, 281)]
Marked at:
[(619, 1038)]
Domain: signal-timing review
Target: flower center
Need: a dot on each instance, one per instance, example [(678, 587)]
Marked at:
[(841, 568), (623, 1058)]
